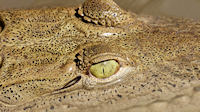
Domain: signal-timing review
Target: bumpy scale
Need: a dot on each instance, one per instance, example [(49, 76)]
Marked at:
[(104, 12)]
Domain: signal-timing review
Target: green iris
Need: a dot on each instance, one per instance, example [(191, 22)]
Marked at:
[(104, 69)]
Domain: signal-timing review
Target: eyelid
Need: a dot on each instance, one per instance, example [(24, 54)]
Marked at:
[(116, 58), (104, 57)]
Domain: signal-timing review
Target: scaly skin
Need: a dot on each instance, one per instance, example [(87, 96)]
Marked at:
[(45, 56)]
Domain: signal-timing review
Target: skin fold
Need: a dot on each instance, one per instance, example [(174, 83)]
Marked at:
[(46, 55)]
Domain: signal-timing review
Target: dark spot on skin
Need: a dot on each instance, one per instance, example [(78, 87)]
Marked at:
[(174, 85), (52, 107), (119, 96), (26, 108), (189, 70), (154, 75), (160, 90), (25, 56), (133, 87)]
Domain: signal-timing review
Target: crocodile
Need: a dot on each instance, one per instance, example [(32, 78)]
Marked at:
[(98, 57)]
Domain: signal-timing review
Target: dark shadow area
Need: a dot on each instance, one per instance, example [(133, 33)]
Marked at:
[(1, 62), (77, 60), (82, 18), (2, 25), (72, 82), (78, 16)]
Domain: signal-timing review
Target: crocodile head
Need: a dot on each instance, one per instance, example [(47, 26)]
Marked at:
[(98, 57)]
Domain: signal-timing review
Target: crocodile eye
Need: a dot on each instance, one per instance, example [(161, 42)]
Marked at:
[(104, 69)]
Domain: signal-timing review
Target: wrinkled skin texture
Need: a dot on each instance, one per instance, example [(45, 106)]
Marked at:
[(45, 56)]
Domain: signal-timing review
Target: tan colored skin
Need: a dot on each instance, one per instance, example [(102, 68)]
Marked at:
[(45, 55)]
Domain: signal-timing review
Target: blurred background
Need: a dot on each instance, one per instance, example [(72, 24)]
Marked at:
[(178, 8)]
